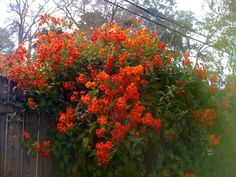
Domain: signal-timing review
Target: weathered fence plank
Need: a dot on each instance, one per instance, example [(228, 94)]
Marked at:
[(13, 155), (29, 163), (2, 141), (14, 160)]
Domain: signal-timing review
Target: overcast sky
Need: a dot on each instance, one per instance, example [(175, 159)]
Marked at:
[(194, 5)]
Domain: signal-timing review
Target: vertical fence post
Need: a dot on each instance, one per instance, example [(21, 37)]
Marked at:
[(38, 140), (6, 130), (5, 147), (22, 149)]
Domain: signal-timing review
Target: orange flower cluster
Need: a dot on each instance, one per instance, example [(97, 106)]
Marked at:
[(209, 116), (31, 103), (81, 79), (103, 152), (47, 18), (186, 61), (197, 115), (26, 135), (214, 79), (213, 89), (103, 74), (18, 69), (214, 140), (205, 118), (118, 105), (201, 72), (74, 97), (66, 120), (43, 148), (225, 104), (68, 85)]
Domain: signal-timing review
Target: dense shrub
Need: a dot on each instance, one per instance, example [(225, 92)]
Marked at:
[(122, 102)]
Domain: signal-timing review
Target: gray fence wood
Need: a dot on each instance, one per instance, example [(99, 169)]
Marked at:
[(14, 160)]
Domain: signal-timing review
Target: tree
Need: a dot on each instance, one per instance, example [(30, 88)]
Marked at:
[(221, 23), (6, 45), (87, 15), (26, 14)]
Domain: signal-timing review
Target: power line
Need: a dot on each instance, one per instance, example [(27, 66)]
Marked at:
[(176, 31), (151, 12)]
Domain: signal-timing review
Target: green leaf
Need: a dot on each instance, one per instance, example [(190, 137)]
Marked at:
[(85, 142)]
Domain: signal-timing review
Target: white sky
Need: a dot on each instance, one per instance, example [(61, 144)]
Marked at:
[(3, 12), (194, 5), (199, 7)]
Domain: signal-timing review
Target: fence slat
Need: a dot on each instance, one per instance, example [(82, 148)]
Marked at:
[(46, 165), (13, 149), (29, 161), (2, 142), (15, 161), (5, 147), (22, 149)]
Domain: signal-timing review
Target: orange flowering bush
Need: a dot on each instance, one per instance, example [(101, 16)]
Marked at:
[(122, 102)]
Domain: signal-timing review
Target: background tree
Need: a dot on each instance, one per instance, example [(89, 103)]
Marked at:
[(24, 17), (6, 45), (87, 15), (220, 22)]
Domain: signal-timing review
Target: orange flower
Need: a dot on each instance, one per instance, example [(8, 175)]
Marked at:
[(161, 46), (209, 115), (102, 51), (132, 92), (26, 135), (119, 132), (81, 79), (170, 55), (197, 115), (45, 153), (186, 55), (31, 103), (186, 62), (68, 85), (158, 61), (85, 99), (94, 106), (103, 152), (201, 73), (47, 144), (213, 89), (66, 120), (90, 84), (102, 120), (213, 79), (122, 58), (225, 104), (181, 83), (37, 147), (214, 140), (100, 132), (73, 97)]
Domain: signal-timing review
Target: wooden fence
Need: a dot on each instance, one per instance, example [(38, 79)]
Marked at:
[(15, 160)]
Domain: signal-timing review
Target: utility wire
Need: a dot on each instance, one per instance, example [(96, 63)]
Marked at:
[(155, 14), (176, 31)]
